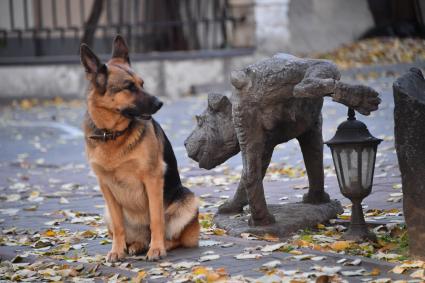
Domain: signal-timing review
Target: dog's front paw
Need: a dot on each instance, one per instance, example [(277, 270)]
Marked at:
[(114, 256), (156, 253)]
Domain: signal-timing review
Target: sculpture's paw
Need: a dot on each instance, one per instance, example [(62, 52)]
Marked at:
[(369, 102), (316, 198), (263, 221), (230, 207), (156, 253), (361, 98), (115, 255)]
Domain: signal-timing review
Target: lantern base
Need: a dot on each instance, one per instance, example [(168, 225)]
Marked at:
[(359, 234)]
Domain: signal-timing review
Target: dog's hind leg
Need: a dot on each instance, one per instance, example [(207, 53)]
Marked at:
[(137, 238), (172, 244), (189, 237), (136, 248)]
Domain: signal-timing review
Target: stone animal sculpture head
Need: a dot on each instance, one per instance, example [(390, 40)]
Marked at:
[(214, 140)]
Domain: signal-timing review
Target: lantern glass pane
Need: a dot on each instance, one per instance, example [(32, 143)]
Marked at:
[(349, 165), (338, 169), (368, 161)]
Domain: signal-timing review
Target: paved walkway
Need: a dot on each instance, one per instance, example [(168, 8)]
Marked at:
[(51, 206)]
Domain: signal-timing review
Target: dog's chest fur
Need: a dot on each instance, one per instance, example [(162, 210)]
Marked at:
[(127, 188), (124, 183)]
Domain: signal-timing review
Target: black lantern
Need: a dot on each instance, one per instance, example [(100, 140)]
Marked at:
[(354, 151)]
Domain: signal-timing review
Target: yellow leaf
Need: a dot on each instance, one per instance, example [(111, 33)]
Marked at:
[(50, 233), (139, 278), (296, 252), (413, 264), (418, 274), (199, 270), (341, 245), (26, 104), (222, 271), (212, 276), (271, 238), (375, 272), (219, 232), (58, 100), (398, 269), (344, 217), (302, 243), (321, 226)]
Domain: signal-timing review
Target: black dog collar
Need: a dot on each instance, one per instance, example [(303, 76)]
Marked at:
[(106, 135)]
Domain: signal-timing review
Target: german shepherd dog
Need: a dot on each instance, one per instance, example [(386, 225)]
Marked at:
[(147, 207)]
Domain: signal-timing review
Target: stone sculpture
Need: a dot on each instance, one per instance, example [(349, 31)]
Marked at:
[(274, 101), (409, 130)]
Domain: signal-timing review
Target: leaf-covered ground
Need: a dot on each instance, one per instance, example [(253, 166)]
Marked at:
[(376, 51), (51, 226)]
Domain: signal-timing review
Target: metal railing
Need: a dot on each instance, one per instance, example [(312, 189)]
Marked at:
[(50, 31)]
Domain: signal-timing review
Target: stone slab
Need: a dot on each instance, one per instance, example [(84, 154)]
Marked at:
[(409, 132), (290, 218)]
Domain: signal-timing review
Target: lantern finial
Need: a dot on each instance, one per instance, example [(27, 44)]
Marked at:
[(351, 114)]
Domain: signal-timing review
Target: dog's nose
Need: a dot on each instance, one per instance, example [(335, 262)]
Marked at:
[(157, 104)]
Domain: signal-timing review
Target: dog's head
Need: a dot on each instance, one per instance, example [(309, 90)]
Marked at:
[(115, 86)]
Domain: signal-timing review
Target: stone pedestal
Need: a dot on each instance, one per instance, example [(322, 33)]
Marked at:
[(409, 118), (289, 219)]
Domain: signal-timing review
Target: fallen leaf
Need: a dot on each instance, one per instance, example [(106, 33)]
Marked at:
[(359, 272), (375, 272), (248, 256), (13, 197), (63, 200), (353, 263), (341, 245), (209, 257), (272, 248), (140, 276), (270, 238), (418, 274), (272, 264)]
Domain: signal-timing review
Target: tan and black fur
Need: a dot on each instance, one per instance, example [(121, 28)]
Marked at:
[(147, 207)]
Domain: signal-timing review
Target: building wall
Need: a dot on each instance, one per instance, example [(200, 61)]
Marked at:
[(301, 26), (293, 26)]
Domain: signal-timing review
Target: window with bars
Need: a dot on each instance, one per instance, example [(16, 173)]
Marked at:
[(52, 30)]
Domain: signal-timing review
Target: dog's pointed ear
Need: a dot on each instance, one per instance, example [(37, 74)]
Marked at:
[(89, 60), (120, 49), (96, 71)]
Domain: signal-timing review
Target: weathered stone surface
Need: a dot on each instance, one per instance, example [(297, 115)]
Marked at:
[(289, 219), (409, 118), (274, 100)]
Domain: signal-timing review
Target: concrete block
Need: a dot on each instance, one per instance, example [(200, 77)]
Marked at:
[(42, 81), (182, 75)]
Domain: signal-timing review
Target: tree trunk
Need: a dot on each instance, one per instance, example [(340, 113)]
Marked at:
[(92, 22)]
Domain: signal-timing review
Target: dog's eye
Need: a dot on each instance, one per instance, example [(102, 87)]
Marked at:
[(131, 87)]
